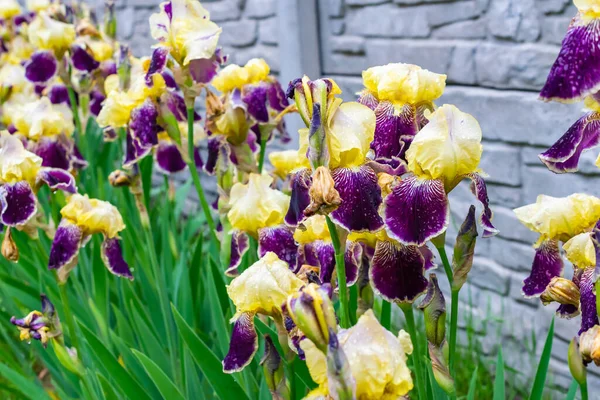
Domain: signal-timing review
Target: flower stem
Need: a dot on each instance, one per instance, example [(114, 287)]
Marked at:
[(64, 298), (584, 390), (191, 162), (340, 267), (454, 309), (386, 314), (263, 150), (75, 110), (412, 331)]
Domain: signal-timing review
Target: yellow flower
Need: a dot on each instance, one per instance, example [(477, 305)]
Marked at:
[(233, 124), (287, 161), (187, 30), (101, 50), (589, 8), (16, 163), (49, 34), (312, 229), (40, 118), (14, 103), (235, 77), (9, 8), (263, 287), (116, 110), (580, 250), (93, 216), (560, 218), (37, 5), (447, 148), (377, 360), (255, 205), (403, 83), (13, 76)]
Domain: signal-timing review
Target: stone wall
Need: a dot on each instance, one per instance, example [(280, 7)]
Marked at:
[(496, 54)]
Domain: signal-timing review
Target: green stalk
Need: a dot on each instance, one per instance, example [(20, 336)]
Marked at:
[(454, 310), (386, 314), (263, 150), (584, 390), (412, 331), (340, 267), (68, 316), (75, 111), (191, 162)]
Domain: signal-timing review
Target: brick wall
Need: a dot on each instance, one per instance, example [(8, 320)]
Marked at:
[(496, 54)]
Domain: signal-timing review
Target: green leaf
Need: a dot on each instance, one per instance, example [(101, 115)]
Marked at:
[(499, 380), (540, 376), (472, 385), (164, 384), (107, 388), (27, 386), (223, 384), (572, 390), (126, 382)]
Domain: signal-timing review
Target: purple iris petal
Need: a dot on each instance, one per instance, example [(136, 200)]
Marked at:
[(65, 246), (168, 158), (583, 135), (18, 203), (169, 79), (576, 72), (391, 128), (397, 272), (215, 143), (58, 179), (392, 166), (547, 264), (108, 68), (203, 70), (276, 96), (176, 104), (59, 94), (361, 198), (367, 98), (589, 317), (239, 247), (255, 97), (54, 153), (322, 254), (41, 67), (77, 159), (143, 129), (279, 240), (428, 256), (243, 344), (158, 62), (300, 184), (82, 60), (479, 189), (112, 255), (96, 99), (416, 210)]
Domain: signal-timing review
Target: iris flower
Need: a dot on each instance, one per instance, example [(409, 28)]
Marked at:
[(261, 289), (46, 33), (446, 151), (571, 220), (39, 325), (81, 218), (376, 357), (9, 9)]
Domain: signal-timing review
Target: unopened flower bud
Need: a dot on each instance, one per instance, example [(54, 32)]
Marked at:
[(124, 67), (562, 291), (439, 364), (110, 19), (273, 371), (575, 360), (309, 274), (324, 198), (434, 309), (10, 251), (589, 345), (464, 249), (312, 311), (85, 27), (119, 178)]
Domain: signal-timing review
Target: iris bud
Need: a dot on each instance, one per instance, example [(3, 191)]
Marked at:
[(341, 383), (576, 365), (464, 249), (274, 372), (10, 250), (439, 364), (561, 290), (124, 67), (324, 198), (110, 19), (589, 345), (119, 178), (434, 308)]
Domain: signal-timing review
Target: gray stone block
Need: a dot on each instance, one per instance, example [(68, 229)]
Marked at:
[(415, 2), (554, 29), (125, 27), (504, 195), (551, 6), (335, 8), (366, 2), (510, 227), (489, 275), (442, 14), (462, 64), (269, 53), (260, 8), (538, 180), (432, 55), (337, 26), (240, 33), (387, 20), (348, 44), (471, 29), (515, 256), (224, 10), (268, 31), (517, 20), (501, 162)]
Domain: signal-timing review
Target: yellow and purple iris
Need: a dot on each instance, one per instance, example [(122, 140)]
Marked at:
[(39, 325), (261, 289), (81, 218), (572, 221)]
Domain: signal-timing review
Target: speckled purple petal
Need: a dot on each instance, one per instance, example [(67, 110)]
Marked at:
[(239, 247), (143, 130), (65, 246), (390, 127), (255, 98), (279, 240), (361, 198), (416, 210), (583, 135), (479, 189), (158, 61), (96, 99), (112, 255), (589, 317), (243, 344), (576, 72), (58, 179), (54, 153), (176, 104), (41, 67), (59, 94), (276, 96), (300, 182), (18, 203), (397, 272), (168, 158), (214, 144), (203, 70), (547, 264), (82, 60), (322, 254), (367, 98)]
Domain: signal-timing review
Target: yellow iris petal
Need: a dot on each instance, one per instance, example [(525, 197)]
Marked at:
[(580, 250), (313, 228), (447, 148), (37, 5), (287, 161), (9, 8), (93, 215), (49, 34), (590, 8), (235, 77), (16, 163), (116, 110), (40, 118), (255, 205), (404, 83), (264, 286), (560, 218)]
